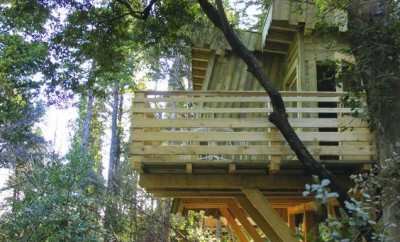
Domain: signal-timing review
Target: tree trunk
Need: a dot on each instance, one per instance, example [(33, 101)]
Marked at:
[(279, 116), (115, 140), (113, 164), (376, 14), (87, 121)]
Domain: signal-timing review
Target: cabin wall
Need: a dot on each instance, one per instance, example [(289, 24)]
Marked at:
[(229, 72), (295, 71), (319, 49), (305, 13), (291, 76)]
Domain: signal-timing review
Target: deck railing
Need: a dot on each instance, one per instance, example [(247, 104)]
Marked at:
[(187, 130)]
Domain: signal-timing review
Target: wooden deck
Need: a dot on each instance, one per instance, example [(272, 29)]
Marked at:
[(228, 132)]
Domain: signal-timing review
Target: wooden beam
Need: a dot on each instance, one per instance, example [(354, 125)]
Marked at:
[(227, 182), (302, 208), (242, 217), (279, 227), (348, 150), (257, 218), (201, 49), (231, 168), (280, 37), (178, 193), (199, 68), (275, 52), (274, 135), (204, 205), (277, 46), (189, 168), (232, 223), (200, 77), (200, 59), (243, 123), (210, 69), (281, 28)]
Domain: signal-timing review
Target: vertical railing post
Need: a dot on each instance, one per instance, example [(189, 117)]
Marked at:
[(137, 159), (275, 162)]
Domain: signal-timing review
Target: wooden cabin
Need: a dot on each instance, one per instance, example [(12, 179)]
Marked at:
[(214, 149)]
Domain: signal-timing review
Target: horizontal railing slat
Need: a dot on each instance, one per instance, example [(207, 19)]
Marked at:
[(241, 93), (229, 125), (246, 150), (234, 99), (239, 110), (247, 136), (247, 123)]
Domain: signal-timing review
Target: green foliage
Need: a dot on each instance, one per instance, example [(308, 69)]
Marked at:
[(371, 193), (192, 228), (19, 62), (60, 201), (27, 16)]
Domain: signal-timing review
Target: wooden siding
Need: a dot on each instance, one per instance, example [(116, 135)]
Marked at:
[(208, 128), (230, 72), (305, 13)]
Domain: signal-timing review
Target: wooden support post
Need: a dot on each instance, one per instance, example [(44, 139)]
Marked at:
[(136, 160), (189, 168), (242, 217), (366, 167), (304, 207), (309, 228), (275, 163), (232, 223), (291, 221), (280, 230), (331, 208), (232, 168)]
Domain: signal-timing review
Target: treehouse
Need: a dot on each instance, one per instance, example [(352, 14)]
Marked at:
[(214, 149)]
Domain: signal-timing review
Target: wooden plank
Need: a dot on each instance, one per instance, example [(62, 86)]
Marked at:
[(183, 160), (231, 168), (274, 46), (362, 135), (241, 93), (275, 164), (304, 207), (275, 52), (266, 26), (224, 182), (202, 205), (246, 123), (232, 223), (265, 227), (200, 59), (242, 217), (241, 99), (246, 150), (239, 110), (189, 168), (200, 49), (281, 28), (210, 69), (261, 204), (281, 37), (136, 160)]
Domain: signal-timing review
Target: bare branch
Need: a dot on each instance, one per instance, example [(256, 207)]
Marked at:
[(138, 14)]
